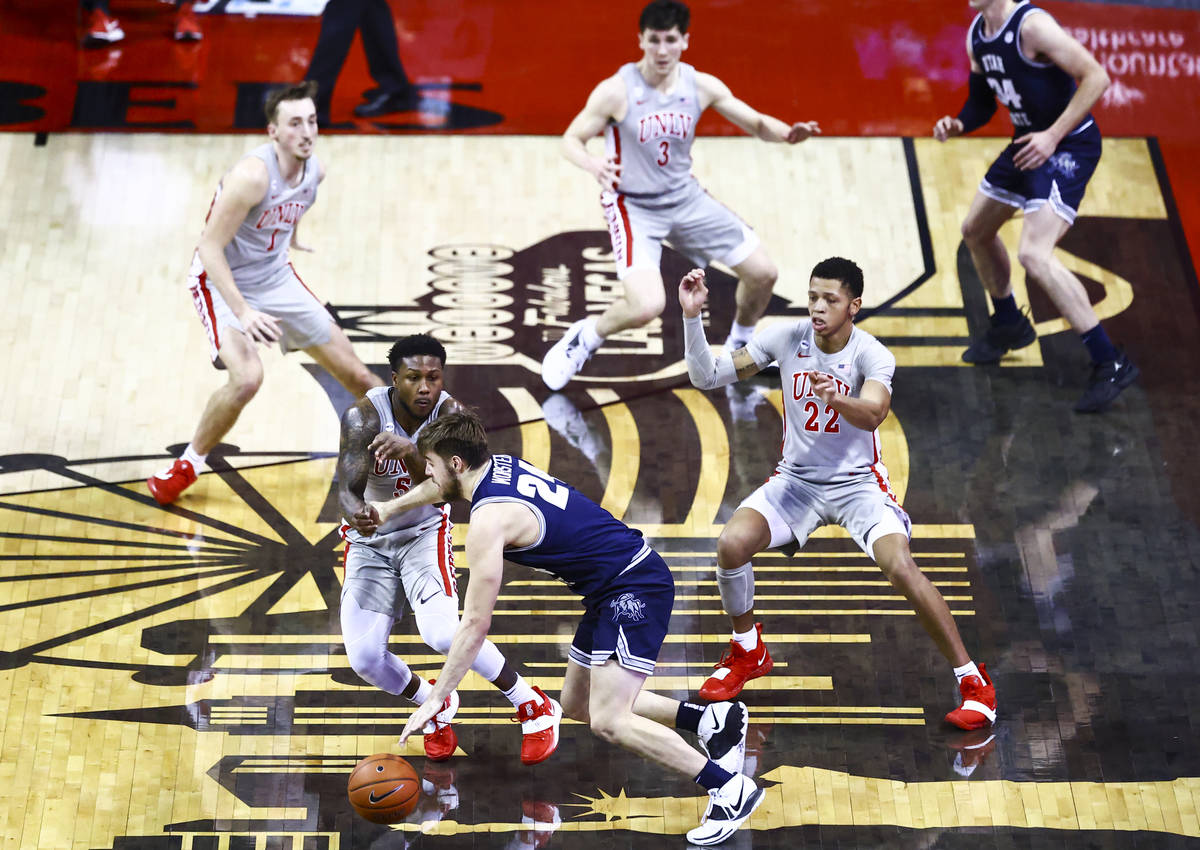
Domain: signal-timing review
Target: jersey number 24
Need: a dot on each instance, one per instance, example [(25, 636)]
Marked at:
[(532, 483)]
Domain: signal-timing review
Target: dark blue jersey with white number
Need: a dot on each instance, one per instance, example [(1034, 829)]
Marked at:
[(1035, 93), (579, 542)]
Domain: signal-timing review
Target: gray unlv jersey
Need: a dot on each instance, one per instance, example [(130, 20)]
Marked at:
[(259, 250), (652, 144), (391, 478), (818, 445)]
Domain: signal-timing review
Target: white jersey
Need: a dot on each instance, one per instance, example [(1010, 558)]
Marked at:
[(818, 445), (652, 144), (258, 251), (391, 478)]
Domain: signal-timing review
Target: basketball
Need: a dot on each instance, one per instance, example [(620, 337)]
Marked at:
[(383, 788)]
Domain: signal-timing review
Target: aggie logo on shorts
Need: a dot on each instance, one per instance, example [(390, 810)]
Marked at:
[(628, 606)]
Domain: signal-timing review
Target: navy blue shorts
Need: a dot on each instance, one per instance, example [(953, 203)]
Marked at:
[(628, 620), (1060, 181)]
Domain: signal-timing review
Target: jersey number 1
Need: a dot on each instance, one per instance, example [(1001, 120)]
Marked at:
[(533, 484)]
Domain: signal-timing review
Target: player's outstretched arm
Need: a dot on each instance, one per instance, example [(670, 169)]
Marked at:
[(425, 493), (1043, 39), (243, 187), (486, 540), (716, 94), (705, 371), (978, 109), (607, 101), (360, 424)]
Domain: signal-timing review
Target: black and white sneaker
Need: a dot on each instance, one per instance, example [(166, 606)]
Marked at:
[(722, 731), (1106, 383), (566, 357), (728, 808), (999, 339)]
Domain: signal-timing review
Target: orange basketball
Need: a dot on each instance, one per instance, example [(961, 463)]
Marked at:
[(383, 788)]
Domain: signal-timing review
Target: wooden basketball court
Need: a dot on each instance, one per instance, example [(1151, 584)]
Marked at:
[(174, 677)]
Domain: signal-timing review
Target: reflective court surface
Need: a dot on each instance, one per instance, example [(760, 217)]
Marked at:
[(174, 677)]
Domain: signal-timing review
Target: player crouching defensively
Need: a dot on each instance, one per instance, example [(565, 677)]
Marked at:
[(408, 556), (522, 514), (837, 385)]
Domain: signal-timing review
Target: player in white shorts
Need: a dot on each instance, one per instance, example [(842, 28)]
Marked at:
[(245, 290), (409, 555), (837, 385), (648, 112)]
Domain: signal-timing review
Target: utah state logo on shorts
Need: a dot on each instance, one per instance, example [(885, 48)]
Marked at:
[(628, 606)]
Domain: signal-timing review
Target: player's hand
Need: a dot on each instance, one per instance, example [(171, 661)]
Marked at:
[(692, 293), (1039, 147), (424, 713), (389, 446), (607, 173), (823, 386), (259, 326), (947, 127), (367, 520), (802, 130)]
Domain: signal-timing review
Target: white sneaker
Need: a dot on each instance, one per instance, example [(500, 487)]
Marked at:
[(728, 808), (722, 731), (566, 357), (564, 417)]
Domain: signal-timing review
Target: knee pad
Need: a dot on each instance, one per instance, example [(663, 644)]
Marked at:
[(437, 632), (737, 589)]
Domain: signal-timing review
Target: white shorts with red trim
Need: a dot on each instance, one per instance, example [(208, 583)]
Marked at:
[(864, 506), (303, 318), (699, 226), (420, 561)]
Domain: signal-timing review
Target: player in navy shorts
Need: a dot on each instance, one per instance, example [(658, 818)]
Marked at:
[(1048, 82), (524, 515)]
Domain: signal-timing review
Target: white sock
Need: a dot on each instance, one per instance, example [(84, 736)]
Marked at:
[(968, 669), (590, 336), (520, 693), (194, 458), (423, 691), (740, 334), (747, 640)]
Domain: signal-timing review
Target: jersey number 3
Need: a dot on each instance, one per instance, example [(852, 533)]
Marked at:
[(535, 484), (665, 147)]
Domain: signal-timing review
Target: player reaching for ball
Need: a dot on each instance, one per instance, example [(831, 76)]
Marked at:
[(837, 385), (648, 112), (521, 514), (409, 556)]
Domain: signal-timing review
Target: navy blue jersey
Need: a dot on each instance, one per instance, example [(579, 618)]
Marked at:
[(1034, 93), (580, 542)]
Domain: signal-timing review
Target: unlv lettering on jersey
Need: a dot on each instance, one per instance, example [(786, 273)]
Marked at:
[(675, 124), (802, 387), (288, 213)]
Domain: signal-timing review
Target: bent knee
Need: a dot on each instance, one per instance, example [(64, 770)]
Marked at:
[(1036, 262), (606, 728), (735, 547), (576, 710), (367, 662)]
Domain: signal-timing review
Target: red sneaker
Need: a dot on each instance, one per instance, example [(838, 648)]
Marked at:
[(166, 486), (440, 739), (735, 669), (102, 29), (539, 820), (539, 727), (978, 707), (186, 27)]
